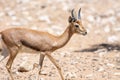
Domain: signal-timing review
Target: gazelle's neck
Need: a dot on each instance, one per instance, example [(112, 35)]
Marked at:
[(65, 37)]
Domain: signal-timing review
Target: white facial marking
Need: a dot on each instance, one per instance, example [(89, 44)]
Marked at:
[(1, 58)]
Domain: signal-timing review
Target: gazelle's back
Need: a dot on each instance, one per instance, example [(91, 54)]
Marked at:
[(34, 39)]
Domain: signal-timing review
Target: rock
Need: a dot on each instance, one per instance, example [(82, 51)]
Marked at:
[(89, 75), (65, 54), (56, 29), (22, 69), (15, 24), (73, 62), (101, 52), (34, 27), (25, 66), (98, 19), (33, 77), (51, 74), (42, 79), (112, 19), (29, 18), (113, 38), (11, 13), (107, 29), (23, 1), (117, 73), (70, 75), (110, 65), (14, 18), (45, 18), (101, 69)]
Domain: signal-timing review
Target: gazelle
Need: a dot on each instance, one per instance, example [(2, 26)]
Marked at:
[(14, 38)]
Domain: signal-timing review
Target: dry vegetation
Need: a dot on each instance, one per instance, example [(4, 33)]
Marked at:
[(92, 57)]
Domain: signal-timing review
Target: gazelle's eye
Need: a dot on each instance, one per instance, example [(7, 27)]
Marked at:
[(77, 26)]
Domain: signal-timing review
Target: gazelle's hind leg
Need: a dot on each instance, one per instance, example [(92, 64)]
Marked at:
[(4, 52), (42, 56), (41, 59), (35, 65), (13, 52)]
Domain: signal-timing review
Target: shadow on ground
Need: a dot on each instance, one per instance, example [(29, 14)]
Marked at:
[(108, 47)]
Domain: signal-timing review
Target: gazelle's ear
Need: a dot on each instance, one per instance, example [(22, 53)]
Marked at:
[(70, 19)]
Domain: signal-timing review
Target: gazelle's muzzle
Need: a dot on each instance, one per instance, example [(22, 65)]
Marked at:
[(84, 33)]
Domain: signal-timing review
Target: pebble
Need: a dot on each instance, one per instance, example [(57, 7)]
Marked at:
[(15, 24), (101, 69), (45, 18), (57, 29), (89, 75), (42, 79), (11, 13), (29, 18), (111, 65), (117, 73), (34, 27), (70, 75), (14, 18), (113, 38), (25, 65), (33, 77), (73, 62), (107, 29), (23, 1)]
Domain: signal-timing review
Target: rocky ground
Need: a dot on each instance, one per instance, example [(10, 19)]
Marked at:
[(95, 56)]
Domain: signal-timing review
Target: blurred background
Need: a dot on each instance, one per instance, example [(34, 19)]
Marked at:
[(95, 56)]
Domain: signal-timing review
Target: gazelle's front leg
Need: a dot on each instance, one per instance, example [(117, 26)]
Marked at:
[(55, 63)]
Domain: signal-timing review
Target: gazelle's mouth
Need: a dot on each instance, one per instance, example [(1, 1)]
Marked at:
[(84, 33)]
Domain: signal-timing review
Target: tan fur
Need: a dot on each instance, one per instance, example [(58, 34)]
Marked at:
[(14, 38)]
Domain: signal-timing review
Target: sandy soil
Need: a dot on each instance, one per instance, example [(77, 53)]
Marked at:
[(95, 56)]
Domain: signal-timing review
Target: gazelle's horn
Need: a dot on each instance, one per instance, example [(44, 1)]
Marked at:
[(79, 16), (72, 14)]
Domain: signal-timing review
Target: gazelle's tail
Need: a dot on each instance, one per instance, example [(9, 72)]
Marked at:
[(4, 50)]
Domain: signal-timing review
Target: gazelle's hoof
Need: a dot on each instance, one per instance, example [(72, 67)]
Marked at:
[(35, 65)]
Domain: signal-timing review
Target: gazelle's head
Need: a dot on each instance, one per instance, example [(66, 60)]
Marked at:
[(76, 23)]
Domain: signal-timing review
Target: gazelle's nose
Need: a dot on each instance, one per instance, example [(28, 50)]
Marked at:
[(84, 33)]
